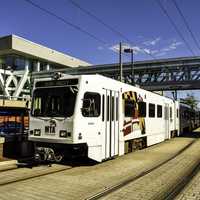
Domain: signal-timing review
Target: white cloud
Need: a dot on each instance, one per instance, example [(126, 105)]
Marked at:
[(154, 51), (161, 53), (147, 50), (100, 48), (152, 42), (115, 48), (173, 46), (170, 45)]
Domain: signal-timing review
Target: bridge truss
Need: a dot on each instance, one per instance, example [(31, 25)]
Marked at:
[(15, 84), (156, 75)]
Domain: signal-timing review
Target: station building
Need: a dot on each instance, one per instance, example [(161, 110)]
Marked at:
[(19, 54), (19, 57)]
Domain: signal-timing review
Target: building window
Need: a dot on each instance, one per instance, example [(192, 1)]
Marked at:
[(142, 109), (151, 110), (19, 64), (159, 111), (43, 66), (91, 104), (9, 60), (129, 108)]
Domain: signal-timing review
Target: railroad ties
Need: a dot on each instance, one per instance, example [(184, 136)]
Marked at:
[(157, 172)]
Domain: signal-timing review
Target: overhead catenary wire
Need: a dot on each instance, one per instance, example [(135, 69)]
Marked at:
[(107, 26), (175, 27), (68, 23), (186, 23)]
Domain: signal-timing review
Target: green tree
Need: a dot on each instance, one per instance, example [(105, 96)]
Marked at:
[(191, 101)]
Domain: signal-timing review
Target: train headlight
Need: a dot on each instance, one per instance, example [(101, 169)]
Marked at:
[(37, 132), (63, 133)]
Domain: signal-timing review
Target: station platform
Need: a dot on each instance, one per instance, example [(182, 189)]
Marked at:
[(197, 130), (2, 140), (8, 164), (82, 182)]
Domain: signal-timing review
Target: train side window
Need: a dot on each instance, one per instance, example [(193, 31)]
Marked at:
[(142, 109), (177, 113), (103, 107), (91, 104), (159, 111), (170, 113), (112, 109), (129, 108), (117, 109), (151, 110), (108, 108)]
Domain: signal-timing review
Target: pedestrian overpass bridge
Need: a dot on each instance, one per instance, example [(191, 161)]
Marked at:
[(153, 75)]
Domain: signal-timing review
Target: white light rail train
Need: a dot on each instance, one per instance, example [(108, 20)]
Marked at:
[(97, 117)]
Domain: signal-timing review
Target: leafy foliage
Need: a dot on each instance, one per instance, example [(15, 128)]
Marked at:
[(191, 101)]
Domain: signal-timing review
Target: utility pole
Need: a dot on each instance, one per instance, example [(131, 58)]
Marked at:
[(130, 50), (120, 61), (132, 68)]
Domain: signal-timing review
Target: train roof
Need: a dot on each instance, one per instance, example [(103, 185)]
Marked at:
[(101, 77)]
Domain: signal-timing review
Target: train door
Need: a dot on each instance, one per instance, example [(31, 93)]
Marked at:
[(166, 118), (111, 122)]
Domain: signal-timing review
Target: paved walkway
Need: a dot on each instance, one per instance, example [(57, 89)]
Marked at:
[(82, 182)]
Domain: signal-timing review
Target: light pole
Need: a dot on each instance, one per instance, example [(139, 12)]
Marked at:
[(129, 50), (120, 60)]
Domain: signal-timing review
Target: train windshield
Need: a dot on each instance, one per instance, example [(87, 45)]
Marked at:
[(54, 102)]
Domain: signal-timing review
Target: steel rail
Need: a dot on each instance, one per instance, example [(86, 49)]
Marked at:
[(34, 175), (113, 188)]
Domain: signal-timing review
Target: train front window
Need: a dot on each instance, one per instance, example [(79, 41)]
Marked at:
[(54, 102)]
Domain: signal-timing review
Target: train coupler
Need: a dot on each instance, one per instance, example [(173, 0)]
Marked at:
[(45, 154)]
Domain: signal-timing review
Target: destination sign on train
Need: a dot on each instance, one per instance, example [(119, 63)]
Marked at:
[(57, 83)]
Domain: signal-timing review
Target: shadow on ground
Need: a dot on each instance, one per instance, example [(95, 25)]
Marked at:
[(194, 134), (30, 162)]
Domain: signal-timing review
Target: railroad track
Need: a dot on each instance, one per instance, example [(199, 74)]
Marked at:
[(21, 174), (182, 183), (30, 170), (171, 194)]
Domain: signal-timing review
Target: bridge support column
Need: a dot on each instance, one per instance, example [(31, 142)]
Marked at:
[(47, 67), (38, 66)]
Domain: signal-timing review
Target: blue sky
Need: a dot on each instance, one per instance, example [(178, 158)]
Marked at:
[(141, 21)]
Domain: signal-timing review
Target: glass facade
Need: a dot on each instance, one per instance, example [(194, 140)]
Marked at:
[(16, 62)]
